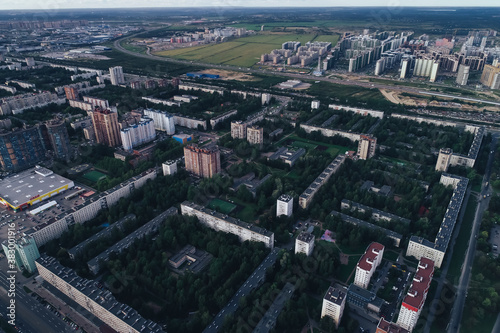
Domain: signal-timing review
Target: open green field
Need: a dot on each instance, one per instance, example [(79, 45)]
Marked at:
[(328, 38), (346, 272), (462, 242), (244, 51), (222, 206), (94, 176), (305, 24), (333, 150)]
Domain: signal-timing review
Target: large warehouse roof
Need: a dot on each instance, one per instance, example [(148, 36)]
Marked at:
[(30, 184)]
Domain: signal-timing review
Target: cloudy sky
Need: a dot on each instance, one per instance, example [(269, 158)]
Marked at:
[(60, 4)]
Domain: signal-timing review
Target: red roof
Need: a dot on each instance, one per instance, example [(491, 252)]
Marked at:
[(366, 261), (415, 298), (388, 327)]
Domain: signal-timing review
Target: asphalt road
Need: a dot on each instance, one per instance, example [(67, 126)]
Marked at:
[(251, 283), (31, 316), (461, 294), (370, 85)]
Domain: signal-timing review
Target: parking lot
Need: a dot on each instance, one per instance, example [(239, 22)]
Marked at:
[(24, 221)]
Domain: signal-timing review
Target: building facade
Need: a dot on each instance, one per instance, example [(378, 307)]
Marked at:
[(138, 134), (255, 135), (366, 146), (284, 205), (116, 74), (463, 75), (24, 251), (163, 121), (238, 129), (59, 139), (367, 264), (412, 304), (169, 168), (203, 162), (221, 222), (106, 128), (491, 76), (333, 305), (304, 243)]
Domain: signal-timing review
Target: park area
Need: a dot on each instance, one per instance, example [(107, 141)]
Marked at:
[(298, 142), (221, 206), (245, 51)]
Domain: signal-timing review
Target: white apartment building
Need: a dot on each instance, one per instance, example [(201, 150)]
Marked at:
[(116, 74), (138, 134), (284, 205), (367, 264), (163, 121), (334, 304), (169, 168), (221, 222), (238, 129), (304, 243)]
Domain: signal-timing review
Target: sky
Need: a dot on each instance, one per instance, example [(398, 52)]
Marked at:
[(54, 5)]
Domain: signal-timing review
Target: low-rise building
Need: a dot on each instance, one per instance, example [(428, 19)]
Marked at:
[(221, 222)]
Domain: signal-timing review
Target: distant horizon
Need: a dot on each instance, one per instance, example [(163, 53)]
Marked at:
[(34, 5)]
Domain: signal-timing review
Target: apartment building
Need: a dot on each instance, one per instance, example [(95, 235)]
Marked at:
[(304, 243), (367, 264)]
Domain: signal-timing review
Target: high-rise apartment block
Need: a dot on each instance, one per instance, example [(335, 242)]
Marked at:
[(284, 205), (366, 146), (334, 304), (315, 105), (59, 138), (106, 128), (368, 263), (304, 243), (116, 74), (412, 304), (491, 76), (169, 168), (203, 162), (163, 121), (138, 134), (238, 129), (463, 75), (21, 149), (255, 135), (24, 251)]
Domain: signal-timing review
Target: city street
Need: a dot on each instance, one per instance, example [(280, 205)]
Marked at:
[(251, 283), (461, 294)]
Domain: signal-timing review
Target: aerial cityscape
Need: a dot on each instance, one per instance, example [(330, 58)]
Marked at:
[(237, 168)]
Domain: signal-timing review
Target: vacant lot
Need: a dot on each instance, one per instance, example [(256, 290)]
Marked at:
[(244, 51)]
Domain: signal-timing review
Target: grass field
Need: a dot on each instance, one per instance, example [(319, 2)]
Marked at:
[(244, 51), (94, 176), (461, 244), (345, 270), (222, 206), (333, 150)]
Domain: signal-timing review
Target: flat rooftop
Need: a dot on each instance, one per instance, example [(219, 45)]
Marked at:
[(30, 184), (101, 296)]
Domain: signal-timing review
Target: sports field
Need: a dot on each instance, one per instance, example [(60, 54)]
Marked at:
[(244, 51), (222, 206), (94, 176)]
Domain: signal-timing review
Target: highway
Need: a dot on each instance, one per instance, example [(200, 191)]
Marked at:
[(251, 283), (364, 84), (461, 293)]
